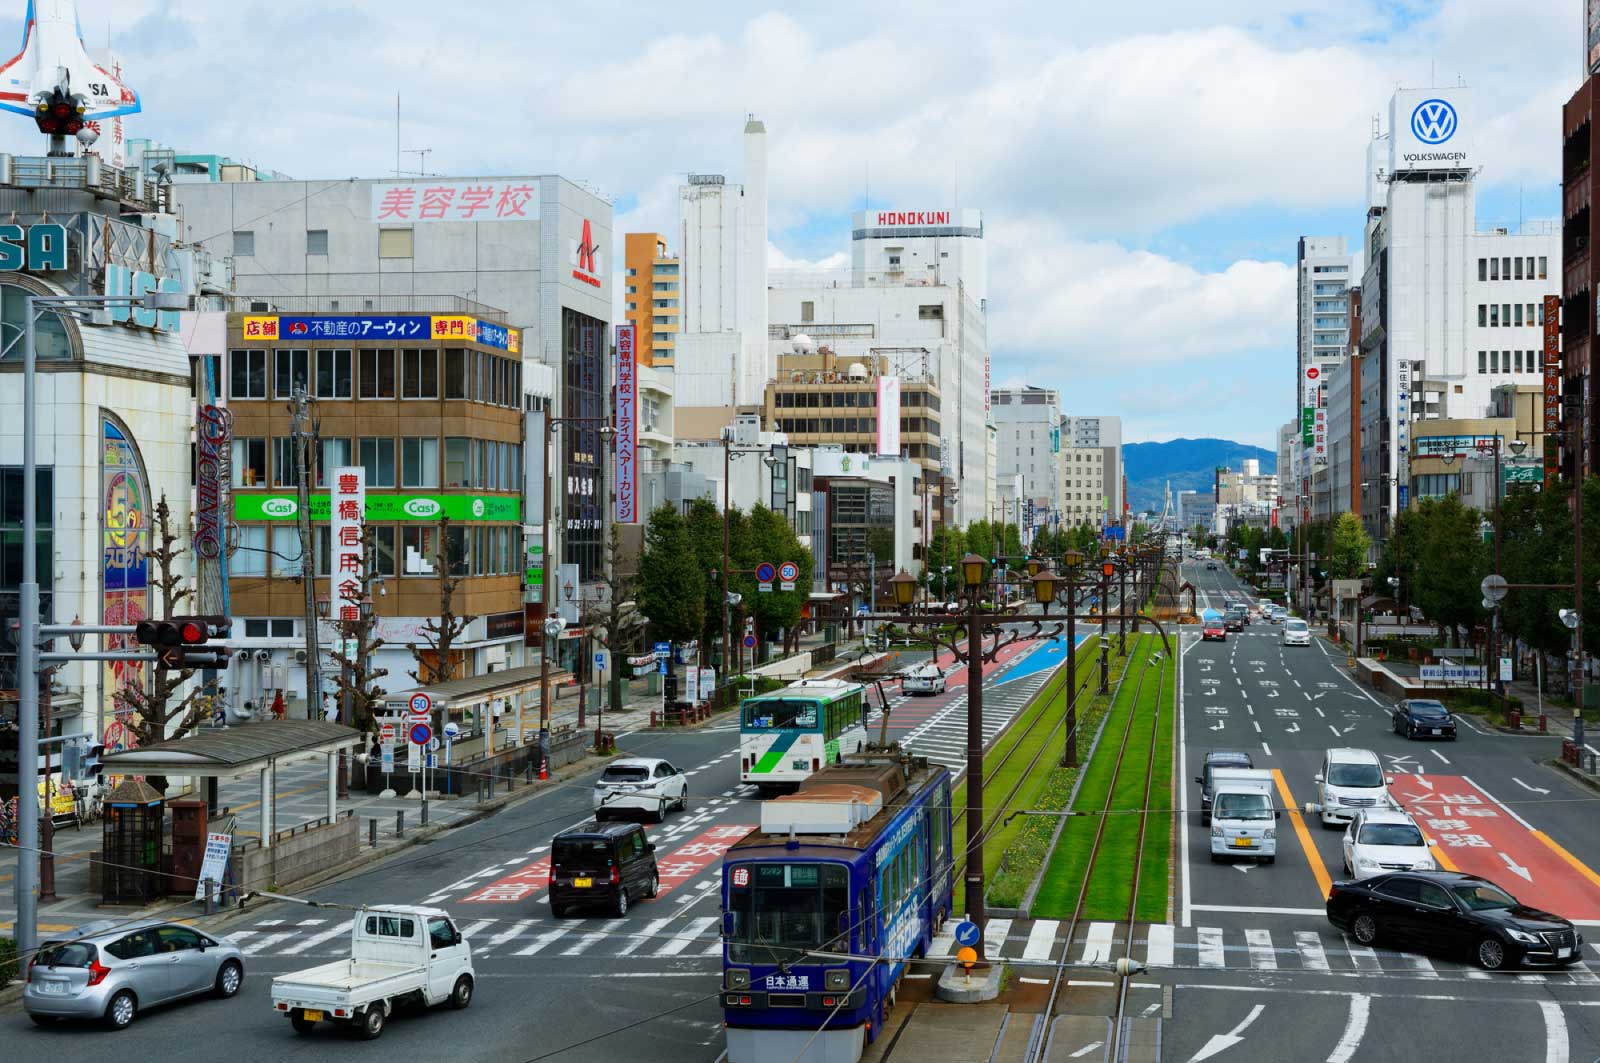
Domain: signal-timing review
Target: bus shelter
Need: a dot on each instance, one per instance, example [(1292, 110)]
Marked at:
[(492, 712)]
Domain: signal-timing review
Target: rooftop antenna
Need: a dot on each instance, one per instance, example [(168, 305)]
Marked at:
[(422, 161)]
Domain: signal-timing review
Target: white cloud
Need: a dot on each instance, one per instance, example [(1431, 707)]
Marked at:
[(776, 259)]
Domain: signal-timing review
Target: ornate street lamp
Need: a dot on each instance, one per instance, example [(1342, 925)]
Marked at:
[(1044, 585), (904, 586), (972, 571)]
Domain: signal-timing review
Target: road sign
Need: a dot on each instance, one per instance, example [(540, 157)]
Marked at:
[(788, 572), (786, 585), (413, 757), (433, 744), (765, 573), (967, 934), (967, 957), (1495, 587), (600, 659), (420, 733), (386, 732), (663, 647), (749, 642), (421, 705), (388, 757), (1505, 669), (452, 729)]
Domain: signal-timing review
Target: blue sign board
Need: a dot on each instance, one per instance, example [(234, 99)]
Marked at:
[(1116, 531), (492, 335), (362, 326), (967, 934), (663, 647)]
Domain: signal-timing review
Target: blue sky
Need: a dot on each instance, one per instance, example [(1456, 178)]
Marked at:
[(1144, 170)]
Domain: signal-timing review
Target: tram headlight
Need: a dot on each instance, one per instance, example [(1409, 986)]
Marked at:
[(738, 978), (839, 979)]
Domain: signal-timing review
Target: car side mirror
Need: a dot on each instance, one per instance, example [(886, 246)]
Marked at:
[(727, 924), (1276, 814), (1317, 777), (1389, 781), (649, 847), (1200, 780), (1427, 841)]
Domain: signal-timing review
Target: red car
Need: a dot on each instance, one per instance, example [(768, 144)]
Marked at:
[(1214, 629)]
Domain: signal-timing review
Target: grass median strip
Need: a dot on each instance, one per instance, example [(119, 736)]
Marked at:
[(1025, 736), (1108, 889)]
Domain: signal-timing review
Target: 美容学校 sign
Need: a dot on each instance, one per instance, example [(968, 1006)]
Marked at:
[(383, 507)]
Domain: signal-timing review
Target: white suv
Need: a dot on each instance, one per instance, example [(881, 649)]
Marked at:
[(641, 784), (1296, 632), (1350, 780)]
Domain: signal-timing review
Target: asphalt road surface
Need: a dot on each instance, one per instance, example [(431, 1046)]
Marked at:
[(578, 990)]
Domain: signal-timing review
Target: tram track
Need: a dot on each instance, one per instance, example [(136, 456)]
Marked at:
[(1038, 1049)]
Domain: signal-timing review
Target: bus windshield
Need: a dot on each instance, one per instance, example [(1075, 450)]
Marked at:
[(782, 911), (774, 714)]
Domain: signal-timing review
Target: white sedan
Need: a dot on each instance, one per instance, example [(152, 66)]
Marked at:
[(1381, 840), (641, 784)]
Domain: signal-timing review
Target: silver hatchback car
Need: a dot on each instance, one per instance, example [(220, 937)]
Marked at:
[(110, 970)]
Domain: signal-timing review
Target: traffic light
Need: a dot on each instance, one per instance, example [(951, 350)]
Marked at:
[(185, 641), (89, 765)]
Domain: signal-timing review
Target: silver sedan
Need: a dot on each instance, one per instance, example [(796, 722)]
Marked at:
[(111, 970)]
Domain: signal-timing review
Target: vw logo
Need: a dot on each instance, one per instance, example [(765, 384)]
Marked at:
[(1433, 121)]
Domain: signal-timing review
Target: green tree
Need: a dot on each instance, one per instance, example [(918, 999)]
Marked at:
[(1536, 547), (1450, 564), (946, 548), (1347, 557), (980, 539), (1011, 538), (771, 539), (671, 582)]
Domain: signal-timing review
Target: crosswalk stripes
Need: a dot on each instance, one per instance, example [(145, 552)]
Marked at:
[(651, 929), (1158, 948), (1209, 945), (338, 930), (1262, 955), (1362, 957), (1097, 946), (1041, 940), (685, 937), (1312, 956)]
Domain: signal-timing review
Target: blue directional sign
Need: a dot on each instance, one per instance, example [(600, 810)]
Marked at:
[(663, 647), (967, 934)]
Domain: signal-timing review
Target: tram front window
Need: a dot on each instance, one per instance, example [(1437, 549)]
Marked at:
[(782, 911), (775, 714)]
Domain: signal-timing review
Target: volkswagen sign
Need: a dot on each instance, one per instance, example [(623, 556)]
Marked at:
[(1433, 121), (422, 507), (1429, 129)]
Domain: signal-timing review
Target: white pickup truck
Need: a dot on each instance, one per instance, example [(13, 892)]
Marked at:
[(399, 955)]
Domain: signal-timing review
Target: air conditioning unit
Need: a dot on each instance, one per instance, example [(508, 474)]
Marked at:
[(243, 655), (260, 308), (262, 655), (299, 656)]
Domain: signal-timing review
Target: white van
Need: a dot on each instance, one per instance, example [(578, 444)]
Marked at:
[(1296, 632), (1243, 821), (923, 679), (1350, 779)]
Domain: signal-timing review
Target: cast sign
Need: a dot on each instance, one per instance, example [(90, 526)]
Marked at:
[(253, 507)]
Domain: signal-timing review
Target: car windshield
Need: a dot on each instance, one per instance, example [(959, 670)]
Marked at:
[(67, 954), (1481, 896), (1297, 625), (1390, 834), (772, 714), (1354, 775), (780, 911), (625, 773), (1427, 708), (1242, 806)]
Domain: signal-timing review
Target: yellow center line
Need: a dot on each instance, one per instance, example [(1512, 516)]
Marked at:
[(1314, 858), (1444, 861), (1577, 865)]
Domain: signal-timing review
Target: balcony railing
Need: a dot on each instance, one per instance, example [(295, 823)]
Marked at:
[(362, 304)]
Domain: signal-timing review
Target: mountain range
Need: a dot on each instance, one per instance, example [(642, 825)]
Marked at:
[(1189, 464)]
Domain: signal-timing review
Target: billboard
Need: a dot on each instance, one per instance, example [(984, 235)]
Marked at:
[(1552, 382), (1430, 129), (627, 425), (347, 504), (1402, 432), (1591, 36), (889, 416)]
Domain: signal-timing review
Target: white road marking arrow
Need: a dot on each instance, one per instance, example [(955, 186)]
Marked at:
[(1424, 780), (1221, 1042), (1525, 786), (1272, 693), (1347, 730), (1293, 728), (1243, 867), (1516, 868), (1218, 726)]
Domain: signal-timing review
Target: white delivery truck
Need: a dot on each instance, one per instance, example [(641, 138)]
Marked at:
[(399, 955), (1243, 820)]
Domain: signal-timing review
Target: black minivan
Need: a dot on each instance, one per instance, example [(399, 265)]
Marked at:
[(607, 865)]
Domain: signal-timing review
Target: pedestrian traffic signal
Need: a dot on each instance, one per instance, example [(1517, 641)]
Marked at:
[(185, 641)]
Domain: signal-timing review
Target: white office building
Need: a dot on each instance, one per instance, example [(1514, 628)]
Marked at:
[(1448, 312), (1322, 305), (1104, 433), (916, 295), (1027, 423), (722, 355)]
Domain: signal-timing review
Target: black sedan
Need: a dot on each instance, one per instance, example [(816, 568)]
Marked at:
[(1423, 718), (1448, 911), (1211, 566)]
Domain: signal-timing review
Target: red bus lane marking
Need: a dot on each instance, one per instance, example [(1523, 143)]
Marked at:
[(1481, 837), (697, 854), (519, 885)]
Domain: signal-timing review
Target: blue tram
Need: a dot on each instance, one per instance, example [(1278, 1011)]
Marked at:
[(857, 863)]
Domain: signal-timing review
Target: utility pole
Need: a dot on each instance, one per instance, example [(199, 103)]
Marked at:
[(304, 437)]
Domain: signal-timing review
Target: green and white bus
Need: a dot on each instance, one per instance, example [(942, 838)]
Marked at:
[(786, 735)]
